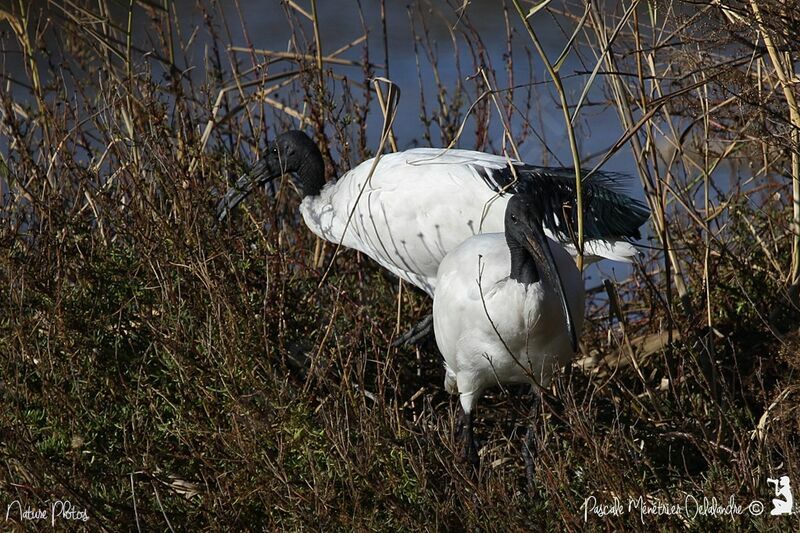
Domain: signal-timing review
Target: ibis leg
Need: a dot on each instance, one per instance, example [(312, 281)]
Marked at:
[(471, 447), (465, 436), (417, 332), (529, 444)]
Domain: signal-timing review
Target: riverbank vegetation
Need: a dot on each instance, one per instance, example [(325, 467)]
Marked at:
[(165, 373)]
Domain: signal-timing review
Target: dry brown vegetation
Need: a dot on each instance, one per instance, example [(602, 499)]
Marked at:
[(166, 374)]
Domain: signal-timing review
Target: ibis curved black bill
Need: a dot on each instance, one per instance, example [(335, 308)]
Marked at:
[(258, 175), (536, 243)]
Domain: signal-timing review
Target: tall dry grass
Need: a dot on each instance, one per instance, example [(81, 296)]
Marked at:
[(162, 373)]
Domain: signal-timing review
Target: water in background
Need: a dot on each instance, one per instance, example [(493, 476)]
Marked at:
[(340, 23)]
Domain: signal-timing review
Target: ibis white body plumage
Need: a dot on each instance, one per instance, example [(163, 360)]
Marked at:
[(493, 330), (417, 206)]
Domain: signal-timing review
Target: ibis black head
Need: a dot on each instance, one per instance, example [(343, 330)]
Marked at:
[(531, 257), (293, 153), (523, 216)]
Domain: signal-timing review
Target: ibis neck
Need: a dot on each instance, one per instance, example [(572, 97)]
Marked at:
[(311, 174), (523, 265)]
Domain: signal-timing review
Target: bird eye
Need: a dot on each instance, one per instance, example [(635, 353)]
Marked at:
[(513, 218)]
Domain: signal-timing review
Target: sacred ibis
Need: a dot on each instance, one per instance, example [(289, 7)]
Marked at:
[(420, 204), (508, 309)]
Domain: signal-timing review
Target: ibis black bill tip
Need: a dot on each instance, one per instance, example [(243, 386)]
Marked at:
[(243, 187)]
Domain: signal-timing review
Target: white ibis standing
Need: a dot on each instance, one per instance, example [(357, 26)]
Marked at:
[(508, 309)]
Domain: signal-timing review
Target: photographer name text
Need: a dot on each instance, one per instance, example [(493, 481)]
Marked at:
[(691, 507)]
